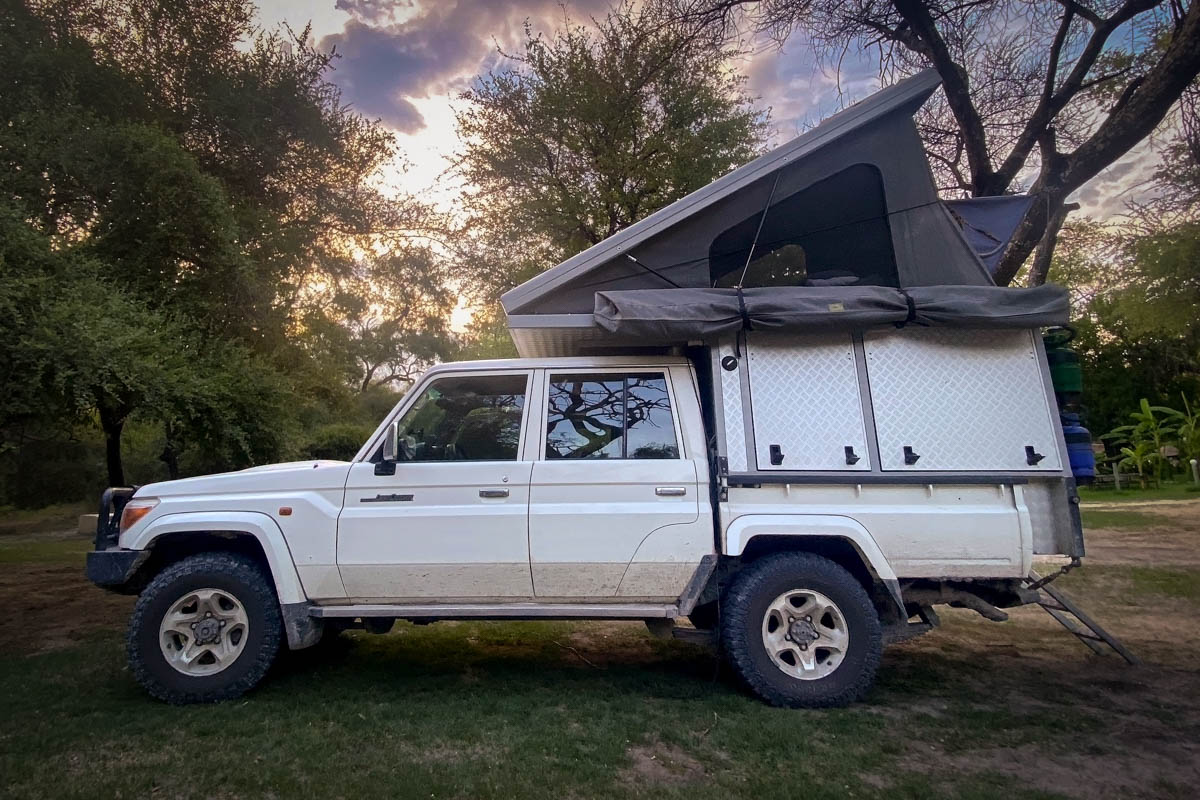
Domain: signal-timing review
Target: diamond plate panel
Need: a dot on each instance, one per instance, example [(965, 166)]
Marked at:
[(731, 404), (961, 399), (804, 397)]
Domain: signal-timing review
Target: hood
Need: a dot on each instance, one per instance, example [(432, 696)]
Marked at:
[(289, 476)]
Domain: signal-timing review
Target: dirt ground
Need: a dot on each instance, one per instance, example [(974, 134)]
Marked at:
[(1172, 538)]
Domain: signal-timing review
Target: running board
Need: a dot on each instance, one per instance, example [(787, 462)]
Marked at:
[(502, 611), (1082, 627)]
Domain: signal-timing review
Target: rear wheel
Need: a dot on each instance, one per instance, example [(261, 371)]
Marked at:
[(205, 629), (801, 631)]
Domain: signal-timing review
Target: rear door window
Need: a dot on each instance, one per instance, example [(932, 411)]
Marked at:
[(610, 415)]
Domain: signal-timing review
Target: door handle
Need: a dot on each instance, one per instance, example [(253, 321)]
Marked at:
[(670, 491), (493, 492)]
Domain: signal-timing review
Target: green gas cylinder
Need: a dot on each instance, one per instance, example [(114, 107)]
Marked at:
[(1064, 362)]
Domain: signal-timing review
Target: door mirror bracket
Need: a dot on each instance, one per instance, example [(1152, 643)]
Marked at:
[(387, 465), (389, 442)]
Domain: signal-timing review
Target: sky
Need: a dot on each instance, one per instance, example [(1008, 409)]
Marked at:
[(406, 61)]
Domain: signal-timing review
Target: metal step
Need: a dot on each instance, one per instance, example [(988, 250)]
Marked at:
[(501, 611), (1065, 611)]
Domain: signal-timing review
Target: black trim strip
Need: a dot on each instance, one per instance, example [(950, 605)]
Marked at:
[(908, 479)]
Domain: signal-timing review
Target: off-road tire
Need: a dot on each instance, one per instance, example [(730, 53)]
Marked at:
[(230, 572), (742, 613)]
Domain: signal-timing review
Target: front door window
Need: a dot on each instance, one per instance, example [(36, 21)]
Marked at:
[(474, 418)]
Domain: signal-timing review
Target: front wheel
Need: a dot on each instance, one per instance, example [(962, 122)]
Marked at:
[(205, 629), (801, 631)]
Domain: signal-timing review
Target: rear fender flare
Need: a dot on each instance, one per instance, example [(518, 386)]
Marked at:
[(744, 528)]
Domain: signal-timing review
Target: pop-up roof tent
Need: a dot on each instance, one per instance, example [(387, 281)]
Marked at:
[(840, 228)]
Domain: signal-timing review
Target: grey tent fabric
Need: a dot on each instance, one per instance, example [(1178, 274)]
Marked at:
[(681, 314), (854, 196), (989, 223), (673, 315), (990, 306)]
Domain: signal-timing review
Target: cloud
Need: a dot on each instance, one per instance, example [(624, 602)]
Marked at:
[(393, 51)]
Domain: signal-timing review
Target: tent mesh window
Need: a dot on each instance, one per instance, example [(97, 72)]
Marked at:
[(832, 233)]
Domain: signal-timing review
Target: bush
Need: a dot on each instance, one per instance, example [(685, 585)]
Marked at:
[(339, 441)]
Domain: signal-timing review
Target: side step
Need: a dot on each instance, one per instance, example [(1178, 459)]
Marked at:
[(502, 611), (1082, 627)]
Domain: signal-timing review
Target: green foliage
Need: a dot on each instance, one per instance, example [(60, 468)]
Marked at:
[(193, 245), (339, 441), (1126, 354), (589, 130)]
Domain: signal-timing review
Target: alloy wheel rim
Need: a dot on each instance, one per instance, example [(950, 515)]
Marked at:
[(203, 632), (805, 634)]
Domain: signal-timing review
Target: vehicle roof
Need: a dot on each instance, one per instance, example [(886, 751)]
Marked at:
[(565, 362)]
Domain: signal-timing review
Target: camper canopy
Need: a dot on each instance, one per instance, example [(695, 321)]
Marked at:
[(841, 227)]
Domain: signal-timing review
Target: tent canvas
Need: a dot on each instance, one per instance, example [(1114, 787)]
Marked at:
[(849, 207)]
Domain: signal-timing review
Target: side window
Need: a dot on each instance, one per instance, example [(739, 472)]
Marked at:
[(610, 416), (476, 418)]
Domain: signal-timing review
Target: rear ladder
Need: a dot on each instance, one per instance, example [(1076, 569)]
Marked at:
[(1073, 618)]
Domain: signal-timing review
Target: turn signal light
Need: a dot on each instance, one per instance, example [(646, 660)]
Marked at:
[(134, 511)]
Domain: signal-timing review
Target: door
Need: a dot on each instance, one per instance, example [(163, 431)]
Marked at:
[(451, 522), (612, 476), (961, 400), (805, 403)]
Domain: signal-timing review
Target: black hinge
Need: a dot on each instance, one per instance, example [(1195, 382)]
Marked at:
[(1032, 457), (910, 457), (851, 458)]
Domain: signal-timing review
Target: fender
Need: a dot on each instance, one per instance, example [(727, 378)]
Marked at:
[(746, 527), (258, 525)]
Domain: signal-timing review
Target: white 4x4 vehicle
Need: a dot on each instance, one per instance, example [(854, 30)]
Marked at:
[(582, 488)]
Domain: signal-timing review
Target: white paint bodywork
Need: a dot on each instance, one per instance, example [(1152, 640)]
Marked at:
[(919, 531), (573, 531), (249, 502)]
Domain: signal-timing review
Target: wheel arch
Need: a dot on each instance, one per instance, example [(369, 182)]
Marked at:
[(175, 536), (842, 540)]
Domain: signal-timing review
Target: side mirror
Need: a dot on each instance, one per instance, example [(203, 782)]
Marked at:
[(389, 442)]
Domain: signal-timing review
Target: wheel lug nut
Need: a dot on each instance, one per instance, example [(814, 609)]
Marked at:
[(803, 647), (808, 619)]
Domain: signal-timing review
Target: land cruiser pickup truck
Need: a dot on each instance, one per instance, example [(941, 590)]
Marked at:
[(577, 488)]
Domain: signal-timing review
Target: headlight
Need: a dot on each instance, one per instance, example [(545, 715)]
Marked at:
[(135, 510)]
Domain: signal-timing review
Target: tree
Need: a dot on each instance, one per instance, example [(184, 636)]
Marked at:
[(175, 186), (385, 323), (1127, 351), (589, 130), (1040, 93)]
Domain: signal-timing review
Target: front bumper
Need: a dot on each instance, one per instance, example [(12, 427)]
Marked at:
[(113, 569), (109, 566)]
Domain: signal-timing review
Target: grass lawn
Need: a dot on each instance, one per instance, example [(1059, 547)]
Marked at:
[(580, 710), (1119, 520), (1131, 494)]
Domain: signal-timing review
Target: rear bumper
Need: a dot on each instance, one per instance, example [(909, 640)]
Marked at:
[(113, 569)]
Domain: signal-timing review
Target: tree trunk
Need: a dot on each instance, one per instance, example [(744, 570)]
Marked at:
[(113, 423), (1045, 249), (170, 453)]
